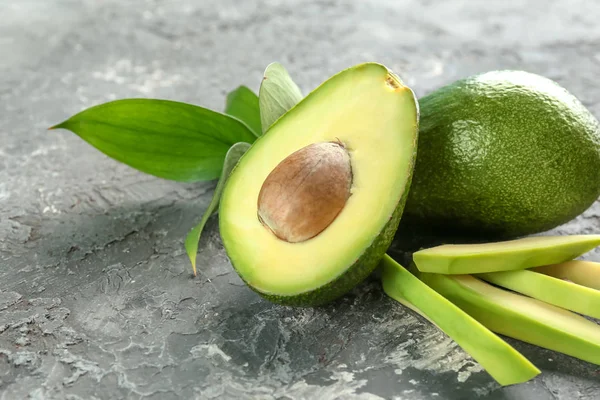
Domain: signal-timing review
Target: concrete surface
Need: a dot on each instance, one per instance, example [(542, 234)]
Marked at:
[(96, 296)]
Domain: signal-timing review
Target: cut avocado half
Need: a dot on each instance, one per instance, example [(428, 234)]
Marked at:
[(503, 256), (567, 295), (311, 208), (584, 273), (506, 365), (520, 317)]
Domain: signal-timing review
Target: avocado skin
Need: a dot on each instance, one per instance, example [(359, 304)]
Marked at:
[(501, 155)]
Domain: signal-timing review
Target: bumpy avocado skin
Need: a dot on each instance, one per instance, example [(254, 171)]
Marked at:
[(503, 154)]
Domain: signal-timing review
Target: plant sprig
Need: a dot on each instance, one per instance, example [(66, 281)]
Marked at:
[(185, 142)]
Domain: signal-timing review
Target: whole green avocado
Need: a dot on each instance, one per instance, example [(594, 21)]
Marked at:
[(503, 154)]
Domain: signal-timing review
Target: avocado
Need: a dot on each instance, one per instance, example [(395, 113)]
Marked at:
[(520, 317), (505, 364), (501, 155), (567, 295), (313, 205), (508, 255), (584, 273)]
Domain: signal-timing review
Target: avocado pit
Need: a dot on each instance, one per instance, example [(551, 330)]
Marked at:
[(306, 191)]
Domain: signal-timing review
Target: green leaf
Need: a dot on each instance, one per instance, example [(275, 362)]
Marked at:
[(242, 103), (278, 93), (231, 159), (168, 139)]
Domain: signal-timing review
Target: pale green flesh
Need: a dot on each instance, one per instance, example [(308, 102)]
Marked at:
[(584, 273), (504, 256), (520, 317), (567, 295), (506, 365)]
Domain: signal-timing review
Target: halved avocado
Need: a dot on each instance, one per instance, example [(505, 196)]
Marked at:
[(311, 208), (503, 256)]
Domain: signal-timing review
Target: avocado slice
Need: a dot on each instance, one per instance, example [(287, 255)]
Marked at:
[(503, 154), (584, 273), (505, 364), (567, 295), (313, 205), (520, 317), (503, 256)]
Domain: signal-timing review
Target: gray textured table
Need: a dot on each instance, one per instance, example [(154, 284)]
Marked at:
[(96, 296)]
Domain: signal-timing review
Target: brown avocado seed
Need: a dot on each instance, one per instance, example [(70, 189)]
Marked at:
[(306, 191)]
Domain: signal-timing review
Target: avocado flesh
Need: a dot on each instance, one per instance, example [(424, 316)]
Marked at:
[(520, 317), (502, 155), (567, 295), (506, 365), (503, 256), (585, 273), (375, 116)]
